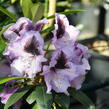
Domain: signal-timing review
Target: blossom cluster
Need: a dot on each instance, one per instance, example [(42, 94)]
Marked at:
[(25, 53)]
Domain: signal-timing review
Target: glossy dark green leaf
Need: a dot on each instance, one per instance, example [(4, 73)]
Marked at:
[(6, 79), (44, 100), (62, 100), (26, 8), (32, 97), (2, 46), (49, 29), (16, 96), (1, 88), (8, 13), (37, 11), (82, 98)]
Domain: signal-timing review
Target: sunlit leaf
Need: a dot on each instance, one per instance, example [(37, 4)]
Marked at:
[(37, 11), (46, 8), (26, 7), (13, 1), (35, 106), (32, 97), (6, 79), (6, 12)]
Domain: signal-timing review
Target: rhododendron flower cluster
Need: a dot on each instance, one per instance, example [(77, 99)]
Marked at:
[(69, 63), (25, 52)]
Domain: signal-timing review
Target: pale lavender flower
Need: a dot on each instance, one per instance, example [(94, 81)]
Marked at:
[(31, 43), (8, 91), (5, 69), (67, 66), (63, 33), (19, 28), (23, 25), (26, 54), (27, 66), (40, 23)]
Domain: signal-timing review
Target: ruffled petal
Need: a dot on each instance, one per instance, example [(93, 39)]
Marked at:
[(40, 24), (18, 29), (64, 34), (7, 92)]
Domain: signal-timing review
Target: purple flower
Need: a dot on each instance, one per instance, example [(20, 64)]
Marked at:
[(27, 59), (31, 43), (8, 91), (63, 33), (23, 25), (25, 48), (67, 68), (39, 24), (5, 69), (19, 28)]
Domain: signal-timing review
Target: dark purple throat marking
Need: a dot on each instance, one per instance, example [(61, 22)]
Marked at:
[(32, 46), (61, 29)]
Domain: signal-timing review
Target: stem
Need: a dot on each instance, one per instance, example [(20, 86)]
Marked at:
[(47, 49), (54, 106), (52, 9), (46, 8), (85, 2)]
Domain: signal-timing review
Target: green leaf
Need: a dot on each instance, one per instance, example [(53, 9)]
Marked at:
[(2, 46), (32, 97), (68, 12), (13, 1), (16, 96), (49, 29), (2, 42), (8, 13), (82, 98), (6, 79), (46, 7), (1, 88), (37, 11), (44, 100), (73, 11), (3, 30), (62, 100), (35, 106), (26, 7)]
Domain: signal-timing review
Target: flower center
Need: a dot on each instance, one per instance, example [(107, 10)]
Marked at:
[(32, 46), (61, 61), (61, 29)]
